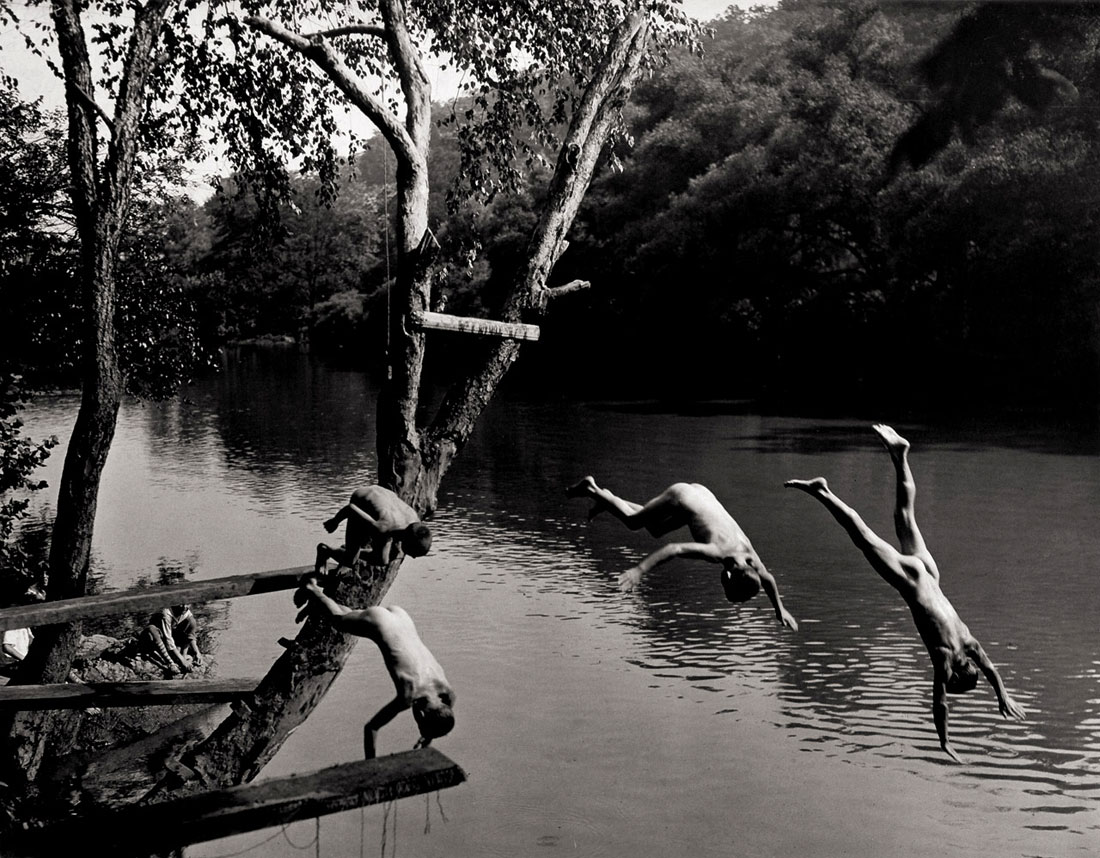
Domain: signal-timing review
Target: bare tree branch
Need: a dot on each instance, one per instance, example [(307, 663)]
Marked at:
[(603, 99), (542, 296), (321, 52), (91, 102), (349, 30), (415, 83)]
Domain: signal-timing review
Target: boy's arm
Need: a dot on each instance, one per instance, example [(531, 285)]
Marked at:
[(767, 582), (939, 715), (341, 617), (381, 718), (334, 522), (1009, 707), (700, 550)]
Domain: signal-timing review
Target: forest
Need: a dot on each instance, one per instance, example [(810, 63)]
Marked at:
[(755, 235)]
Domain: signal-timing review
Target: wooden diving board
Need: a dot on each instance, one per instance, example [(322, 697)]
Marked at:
[(144, 829), (80, 695), (423, 319), (149, 599)]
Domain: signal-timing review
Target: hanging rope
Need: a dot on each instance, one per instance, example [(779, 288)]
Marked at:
[(316, 841), (248, 849), (389, 812), (428, 811), (386, 233)]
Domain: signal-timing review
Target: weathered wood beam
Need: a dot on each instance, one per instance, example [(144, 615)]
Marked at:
[(425, 320), (150, 598), (221, 813), (80, 695)]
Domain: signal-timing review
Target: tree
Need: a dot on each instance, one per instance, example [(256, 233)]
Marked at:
[(584, 55), (150, 119), (602, 48)]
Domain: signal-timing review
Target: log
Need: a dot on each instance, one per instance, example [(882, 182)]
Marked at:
[(149, 599), (236, 810), (423, 319), (81, 695)]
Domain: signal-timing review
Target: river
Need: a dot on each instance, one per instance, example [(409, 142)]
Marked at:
[(665, 721)]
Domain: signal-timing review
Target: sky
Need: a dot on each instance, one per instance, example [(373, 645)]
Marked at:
[(36, 80)]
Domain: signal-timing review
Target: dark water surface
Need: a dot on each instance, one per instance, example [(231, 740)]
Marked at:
[(664, 722)]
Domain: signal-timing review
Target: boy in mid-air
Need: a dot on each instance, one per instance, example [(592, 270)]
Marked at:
[(378, 521), (914, 574), (417, 676), (718, 538)]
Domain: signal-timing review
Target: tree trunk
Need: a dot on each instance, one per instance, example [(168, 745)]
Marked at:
[(243, 744), (101, 194), (410, 461), (588, 133)]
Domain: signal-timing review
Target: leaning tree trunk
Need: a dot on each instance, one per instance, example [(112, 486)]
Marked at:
[(101, 194), (411, 461), (588, 133)]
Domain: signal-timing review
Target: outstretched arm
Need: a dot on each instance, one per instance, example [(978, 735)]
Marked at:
[(334, 522), (341, 617), (381, 718), (939, 715), (1009, 707), (767, 582), (700, 550)]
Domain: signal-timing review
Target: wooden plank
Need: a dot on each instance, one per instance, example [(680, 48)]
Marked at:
[(150, 599), (80, 695), (423, 319), (221, 813)]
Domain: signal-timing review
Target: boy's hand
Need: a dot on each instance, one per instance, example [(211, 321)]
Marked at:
[(629, 579), (1011, 709), (303, 596), (331, 525), (786, 619)]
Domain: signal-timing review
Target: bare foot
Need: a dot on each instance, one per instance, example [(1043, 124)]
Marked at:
[(810, 487), (582, 489), (895, 445)]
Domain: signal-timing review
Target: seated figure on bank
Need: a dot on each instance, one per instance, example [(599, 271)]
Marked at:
[(170, 640)]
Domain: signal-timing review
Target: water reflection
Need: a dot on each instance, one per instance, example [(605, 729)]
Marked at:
[(252, 461)]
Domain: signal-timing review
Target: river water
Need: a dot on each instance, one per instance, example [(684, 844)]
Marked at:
[(666, 721)]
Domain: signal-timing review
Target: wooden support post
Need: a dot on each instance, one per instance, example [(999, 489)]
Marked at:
[(80, 695), (423, 319), (221, 813), (150, 598)]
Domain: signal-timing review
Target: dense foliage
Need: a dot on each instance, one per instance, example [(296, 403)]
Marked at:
[(755, 240)]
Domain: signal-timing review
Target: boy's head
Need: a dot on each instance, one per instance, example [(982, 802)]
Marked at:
[(417, 540), (740, 582), (434, 715), (962, 678)]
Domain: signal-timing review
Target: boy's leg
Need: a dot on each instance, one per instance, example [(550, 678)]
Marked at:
[(327, 552), (883, 557), (658, 516), (905, 514)]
